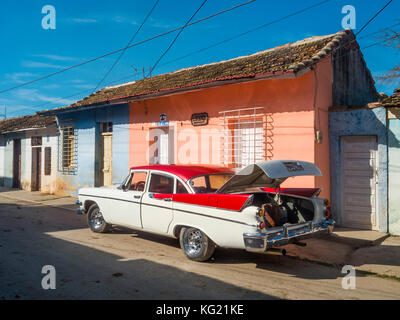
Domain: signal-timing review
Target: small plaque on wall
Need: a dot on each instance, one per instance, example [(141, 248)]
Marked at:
[(199, 119)]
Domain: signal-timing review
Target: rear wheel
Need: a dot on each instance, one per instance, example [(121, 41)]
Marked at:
[(196, 245), (96, 221)]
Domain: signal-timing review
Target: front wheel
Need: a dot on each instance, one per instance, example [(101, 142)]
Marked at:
[(96, 221), (196, 245)]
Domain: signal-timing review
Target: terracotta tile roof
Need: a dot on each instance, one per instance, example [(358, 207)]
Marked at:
[(286, 59), (393, 100), (26, 122)]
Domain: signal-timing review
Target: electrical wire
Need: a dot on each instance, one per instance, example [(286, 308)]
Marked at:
[(208, 47), (373, 18), (177, 36), (125, 48), (129, 43)]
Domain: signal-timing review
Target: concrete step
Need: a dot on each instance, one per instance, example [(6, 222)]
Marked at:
[(357, 238)]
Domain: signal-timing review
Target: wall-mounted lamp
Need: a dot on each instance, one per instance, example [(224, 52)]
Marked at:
[(318, 136)]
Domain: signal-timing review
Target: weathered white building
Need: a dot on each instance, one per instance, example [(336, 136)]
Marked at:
[(28, 153)]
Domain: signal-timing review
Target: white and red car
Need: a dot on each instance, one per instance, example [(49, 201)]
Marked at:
[(206, 207)]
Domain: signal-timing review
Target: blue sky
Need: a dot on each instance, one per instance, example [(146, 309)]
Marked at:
[(86, 29)]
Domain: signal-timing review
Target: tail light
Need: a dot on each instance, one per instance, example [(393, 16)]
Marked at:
[(327, 210)]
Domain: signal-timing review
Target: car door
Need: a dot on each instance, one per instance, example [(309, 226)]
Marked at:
[(157, 202), (125, 203)]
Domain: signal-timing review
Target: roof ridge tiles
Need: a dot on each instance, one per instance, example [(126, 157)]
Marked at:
[(287, 58)]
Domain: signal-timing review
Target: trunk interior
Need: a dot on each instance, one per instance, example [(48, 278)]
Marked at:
[(285, 209)]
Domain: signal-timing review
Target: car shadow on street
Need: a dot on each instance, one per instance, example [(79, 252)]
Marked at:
[(269, 261), (30, 239)]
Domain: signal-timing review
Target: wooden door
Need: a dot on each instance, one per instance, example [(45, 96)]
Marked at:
[(106, 159), (359, 182), (36, 169), (17, 164)]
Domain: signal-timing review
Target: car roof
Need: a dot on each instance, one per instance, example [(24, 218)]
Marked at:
[(186, 172)]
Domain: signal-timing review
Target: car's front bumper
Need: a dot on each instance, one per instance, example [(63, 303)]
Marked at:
[(260, 242), (80, 209)]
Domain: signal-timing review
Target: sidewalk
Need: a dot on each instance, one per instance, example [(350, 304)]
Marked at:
[(369, 251), (67, 203)]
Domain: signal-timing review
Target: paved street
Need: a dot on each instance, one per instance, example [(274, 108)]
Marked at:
[(128, 264)]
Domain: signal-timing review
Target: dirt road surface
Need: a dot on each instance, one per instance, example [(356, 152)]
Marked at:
[(127, 264)]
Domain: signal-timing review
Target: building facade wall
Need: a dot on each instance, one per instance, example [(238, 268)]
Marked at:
[(2, 161), (359, 122), (49, 139), (87, 125), (291, 113), (9, 156), (394, 170)]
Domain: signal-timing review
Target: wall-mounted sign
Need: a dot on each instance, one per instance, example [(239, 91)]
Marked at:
[(160, 124), (199, 119)]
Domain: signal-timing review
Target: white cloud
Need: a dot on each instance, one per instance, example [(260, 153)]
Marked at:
[(19, 77), (34, 96), (84, 86), (54, 57), (51, 86), (76, 81), (84, 20), (35, 64)]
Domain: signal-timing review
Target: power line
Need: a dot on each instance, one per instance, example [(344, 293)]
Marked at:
[(177, 36), (362, 28), (206, 48), (129, 43), (233, 38), (125, 48), (373, 18), (249, 31)]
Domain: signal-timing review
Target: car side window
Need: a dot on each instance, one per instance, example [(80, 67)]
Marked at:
[(180, 188), (161, 184), (138, 181)]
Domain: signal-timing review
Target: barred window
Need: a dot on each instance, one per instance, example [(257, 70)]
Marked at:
[(36, 141), (68, 150)]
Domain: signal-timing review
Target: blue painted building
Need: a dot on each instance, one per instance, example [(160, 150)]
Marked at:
[(365, 165), (93, 146), (392, 104), (358, 157)]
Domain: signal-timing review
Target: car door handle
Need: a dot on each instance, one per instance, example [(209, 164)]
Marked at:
[(167, 199), (136, 197)]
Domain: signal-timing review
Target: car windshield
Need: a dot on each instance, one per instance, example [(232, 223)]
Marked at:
[(209, 183)]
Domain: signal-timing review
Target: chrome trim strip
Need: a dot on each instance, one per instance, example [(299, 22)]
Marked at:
[(180, 210)]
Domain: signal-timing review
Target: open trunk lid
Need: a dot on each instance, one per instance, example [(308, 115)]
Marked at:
[(268, 174)]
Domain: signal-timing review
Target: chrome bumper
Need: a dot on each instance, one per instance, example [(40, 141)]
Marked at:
[(260, 242), (80, 209)]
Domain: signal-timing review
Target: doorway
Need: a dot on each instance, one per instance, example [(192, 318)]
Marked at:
[(159, 145), (106, 137), (36, 168), (359, 181), (17, 164)]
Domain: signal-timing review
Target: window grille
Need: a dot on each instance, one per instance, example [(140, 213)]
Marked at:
[(36, 141), (68, 150), (244, 138)]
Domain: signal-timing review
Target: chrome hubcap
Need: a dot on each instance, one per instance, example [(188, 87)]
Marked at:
[(194, 242), (96, 220)]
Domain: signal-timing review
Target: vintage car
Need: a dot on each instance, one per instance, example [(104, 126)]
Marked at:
[(206, 207)]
